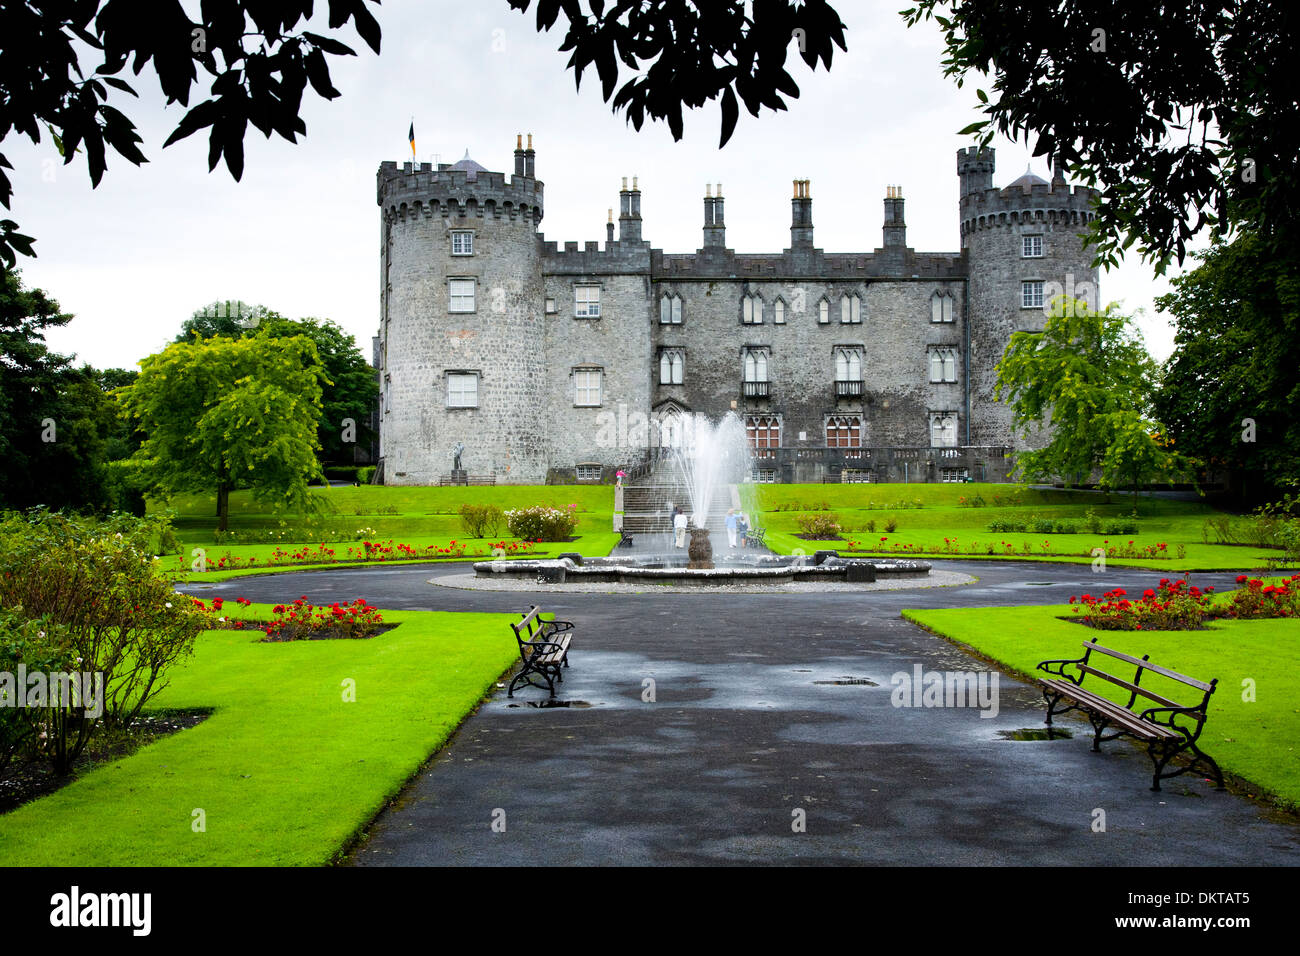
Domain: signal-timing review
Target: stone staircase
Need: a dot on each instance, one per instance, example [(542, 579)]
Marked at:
[(647, 505)]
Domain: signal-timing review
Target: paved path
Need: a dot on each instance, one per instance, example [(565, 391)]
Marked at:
[(747, 728)]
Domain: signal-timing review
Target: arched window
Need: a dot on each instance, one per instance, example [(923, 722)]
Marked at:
[(778, 312), (848, 365), (943, 429), (941, 307), (751, 310), (850, 309), (671, 367), (670, 310), (755, 365), (823, 312)]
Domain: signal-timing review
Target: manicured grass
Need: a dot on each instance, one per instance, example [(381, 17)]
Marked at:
[(941, 515), (285, 770), (1258, 741)]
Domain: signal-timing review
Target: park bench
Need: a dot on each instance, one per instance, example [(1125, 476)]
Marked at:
[(754, 537), (543, 649), (1168, 729), (624, 539)]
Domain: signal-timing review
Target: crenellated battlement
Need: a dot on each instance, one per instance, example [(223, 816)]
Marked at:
[(1017, 205), (421, 191), (618, 256)]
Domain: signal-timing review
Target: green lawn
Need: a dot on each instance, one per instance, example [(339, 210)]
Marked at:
[(285, 770), (942, 515), (1258, 741)]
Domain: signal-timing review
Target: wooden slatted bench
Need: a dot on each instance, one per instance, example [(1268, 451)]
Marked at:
[(624, 539), (543, 649), (1167, 729)]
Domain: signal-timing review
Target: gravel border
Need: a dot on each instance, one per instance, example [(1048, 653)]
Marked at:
[(471, 582)]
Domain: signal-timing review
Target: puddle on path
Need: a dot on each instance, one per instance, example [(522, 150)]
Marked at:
[(1035, 733), (844, 681), (552, 703)]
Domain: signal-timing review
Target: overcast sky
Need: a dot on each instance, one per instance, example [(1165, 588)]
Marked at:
[(300, 233)]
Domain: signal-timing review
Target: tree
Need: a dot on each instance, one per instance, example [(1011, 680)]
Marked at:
[(1168, 108), (57, 424), (260, 69), (1089, 378), (349, 389), (228, 413), (1230, 390)]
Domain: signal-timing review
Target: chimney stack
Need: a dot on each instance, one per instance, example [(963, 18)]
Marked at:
[(801, 227), (609, 229), (715, 229), (895, 226), (519, 154), (530, 159), (629, 217)]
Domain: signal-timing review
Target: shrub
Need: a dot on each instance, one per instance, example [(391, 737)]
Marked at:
[(40, 645), (1256, 599), (100, 580), (481, 521), (1172, 606), (365, 474), (891, 525), (819, 525), (542, 523), (301, 620), (871, 524)]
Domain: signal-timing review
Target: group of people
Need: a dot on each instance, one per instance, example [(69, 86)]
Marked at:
[(737, 528)]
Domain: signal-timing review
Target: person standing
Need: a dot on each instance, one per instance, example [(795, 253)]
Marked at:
[(742, 528), (679, 528), (732, 522)]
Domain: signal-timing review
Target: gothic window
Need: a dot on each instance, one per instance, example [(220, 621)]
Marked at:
[(461, 295), (586, 301), (850, 309), (1031, 247), (943, 429), (755, 365), (751, 310), (763, 431), (941, 307), (586, 386), (844, 431), (670, 310), (848, 365), (672, 365), (462, 389), (462, 242), (823, 312), (778, 312), (1031, 294), (943, 365)]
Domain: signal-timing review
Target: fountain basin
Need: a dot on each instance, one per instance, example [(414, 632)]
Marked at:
[(669, 570)]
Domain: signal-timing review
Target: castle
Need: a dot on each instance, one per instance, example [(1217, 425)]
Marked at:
[(562, 365)]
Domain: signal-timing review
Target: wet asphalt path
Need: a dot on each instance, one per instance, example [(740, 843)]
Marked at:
[(748, 735)]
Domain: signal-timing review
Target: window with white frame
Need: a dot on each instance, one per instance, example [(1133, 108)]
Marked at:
[(848, 364), (589, 472), (778, 312), (1031, 294), (672, 366), (751, 310), (550, 306), (940, 307), (823, 312), (763, 476), (460, 295), (943, 365), (755, 365), (462, 242), (1031, 247), (670, 310), (943, 429), (586, 301), (763, 431), (954, 474), (844, 431), (586, 386), (462, 389), (850, 309)]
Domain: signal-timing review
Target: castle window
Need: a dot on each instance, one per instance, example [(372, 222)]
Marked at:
[(823, 312), (460, 295), (586, 386), (550, 307), (751, 312), (943, 365), (778, 312), (844, 432), (954, 474), (848, 366), (940, 307), (588, 472), (763, 431), (1031, 247), (670, 310), (1031, 294), (943, 429), (462, 389), (850, 309), (672, 365), (586, 301), (462, 242), (755, 365)]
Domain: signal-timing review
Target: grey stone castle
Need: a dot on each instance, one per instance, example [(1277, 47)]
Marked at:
[(567, 364)]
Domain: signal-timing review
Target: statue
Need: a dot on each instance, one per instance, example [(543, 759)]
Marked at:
[(455, 455)]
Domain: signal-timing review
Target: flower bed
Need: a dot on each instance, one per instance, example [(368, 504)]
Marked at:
[(1172, 606), (1157, 552), (368, 551), (1256, 599)]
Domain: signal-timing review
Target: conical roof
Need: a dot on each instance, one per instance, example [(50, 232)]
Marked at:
[(1028, 179), (470, 167)]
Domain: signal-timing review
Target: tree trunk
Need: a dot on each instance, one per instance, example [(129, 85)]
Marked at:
[(223, 505)]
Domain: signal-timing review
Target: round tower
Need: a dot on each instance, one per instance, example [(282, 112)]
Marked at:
[(1023, 246), (461, 340)]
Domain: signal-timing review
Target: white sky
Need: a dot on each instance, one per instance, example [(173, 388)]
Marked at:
[(300, 234)]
